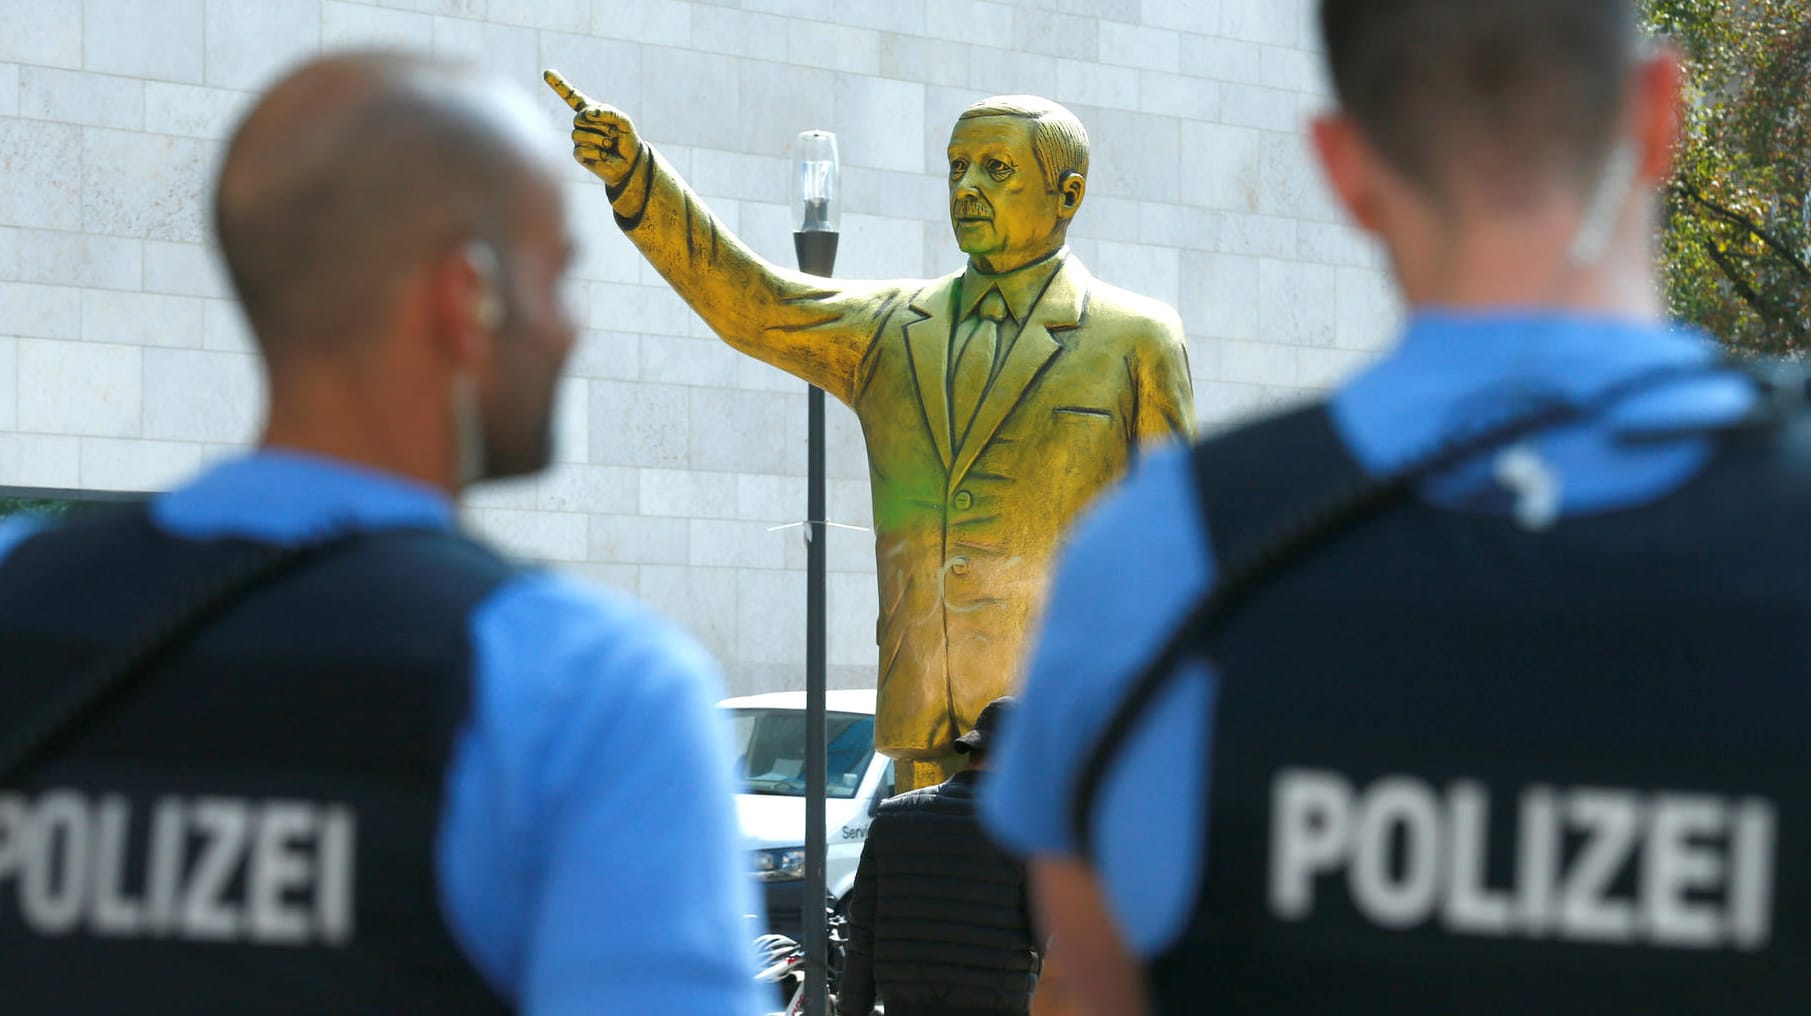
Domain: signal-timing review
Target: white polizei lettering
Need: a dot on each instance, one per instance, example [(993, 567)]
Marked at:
[(1612, 821), (1405, 807), (111, 913), (164, 867), (1537, 860), (1672, 870), (1311, 828), (1751, 875), (278, 873), (279, 868), (57, 845), (1675, 861), (206, 911), (1471, 906), (334, 863), (12, 835)]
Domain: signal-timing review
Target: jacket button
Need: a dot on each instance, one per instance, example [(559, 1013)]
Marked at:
[(964, 500), (959, 566)]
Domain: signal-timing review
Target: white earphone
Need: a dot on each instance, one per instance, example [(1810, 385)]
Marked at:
[(1537, 486), (1604, 207), (487, 309)]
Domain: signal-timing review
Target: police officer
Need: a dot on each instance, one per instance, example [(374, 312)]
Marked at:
[(385, 771), (1474, 687)]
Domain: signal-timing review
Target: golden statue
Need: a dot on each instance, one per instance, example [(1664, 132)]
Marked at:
[(995, 401)]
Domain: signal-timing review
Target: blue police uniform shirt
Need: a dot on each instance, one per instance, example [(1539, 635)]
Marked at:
[(587, 853), (1141, 558)]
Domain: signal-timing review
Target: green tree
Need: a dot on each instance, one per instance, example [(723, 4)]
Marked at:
[(1736, 246)]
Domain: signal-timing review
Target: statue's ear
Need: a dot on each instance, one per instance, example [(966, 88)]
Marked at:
[(1070, 190)]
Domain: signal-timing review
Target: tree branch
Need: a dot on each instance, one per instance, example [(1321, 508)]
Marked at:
[(1741, 221), (1752, 297)]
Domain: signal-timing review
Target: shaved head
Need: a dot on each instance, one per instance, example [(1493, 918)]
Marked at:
[(1501, 90), (353, 172)]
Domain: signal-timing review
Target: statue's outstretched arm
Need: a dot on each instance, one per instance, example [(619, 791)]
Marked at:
[(814, 328)]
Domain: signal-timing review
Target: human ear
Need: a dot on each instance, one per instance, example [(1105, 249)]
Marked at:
[(1070, 191), (1659, 111), (1350, 166), (465, 290)]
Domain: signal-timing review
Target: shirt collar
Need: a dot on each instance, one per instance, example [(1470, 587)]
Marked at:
[(283, 496), (1456, 370), (1021, 287)]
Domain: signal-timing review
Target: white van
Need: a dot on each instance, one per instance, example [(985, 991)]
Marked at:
[(769, 740)]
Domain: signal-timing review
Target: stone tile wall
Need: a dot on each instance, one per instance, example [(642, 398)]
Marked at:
[(124, 366)]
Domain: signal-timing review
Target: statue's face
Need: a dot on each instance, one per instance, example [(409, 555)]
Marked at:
[(1002, 212)]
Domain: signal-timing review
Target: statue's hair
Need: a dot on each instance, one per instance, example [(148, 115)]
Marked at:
[(1058, 139)]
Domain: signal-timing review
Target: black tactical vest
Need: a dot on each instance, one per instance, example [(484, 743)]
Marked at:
[(251, 829), (1462, 767)]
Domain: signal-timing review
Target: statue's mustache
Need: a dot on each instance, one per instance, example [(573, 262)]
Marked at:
[(968, 208)]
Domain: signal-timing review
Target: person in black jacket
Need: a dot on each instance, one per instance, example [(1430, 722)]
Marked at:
[(938, 920)]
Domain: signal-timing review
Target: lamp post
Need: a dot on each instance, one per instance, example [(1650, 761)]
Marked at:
[(814, 241)]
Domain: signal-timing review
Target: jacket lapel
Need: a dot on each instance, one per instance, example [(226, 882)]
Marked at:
[(927, 342), (1057, 311)]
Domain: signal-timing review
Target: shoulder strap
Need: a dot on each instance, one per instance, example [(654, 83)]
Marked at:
[(1253, 475), (1320, 509), (112, 673)]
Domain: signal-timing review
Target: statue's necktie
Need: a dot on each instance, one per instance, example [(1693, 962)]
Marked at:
[(976, 359)]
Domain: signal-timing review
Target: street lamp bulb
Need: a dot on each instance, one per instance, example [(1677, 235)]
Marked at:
[(819, 196)]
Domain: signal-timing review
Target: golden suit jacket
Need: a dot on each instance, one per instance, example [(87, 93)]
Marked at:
[(965, 533)]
